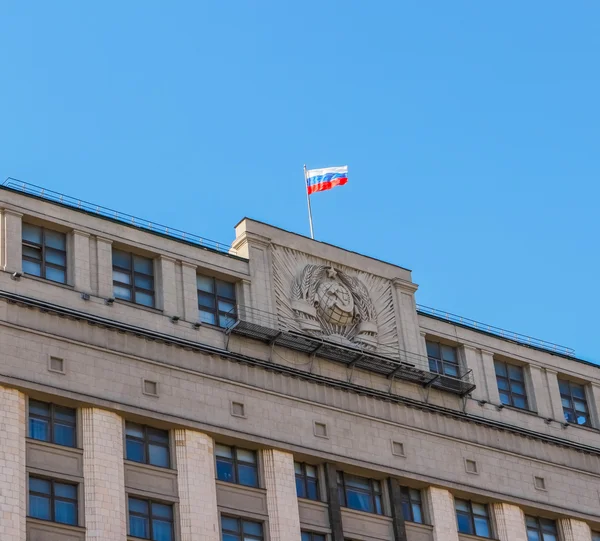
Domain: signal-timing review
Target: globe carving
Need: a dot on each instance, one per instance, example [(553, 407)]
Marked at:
[(335, 303)]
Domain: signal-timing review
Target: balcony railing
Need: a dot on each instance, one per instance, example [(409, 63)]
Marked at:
[(43, 193), (502, 333), (391, 363)]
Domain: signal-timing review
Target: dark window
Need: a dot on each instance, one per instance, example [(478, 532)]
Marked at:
[(52, 423), (147, 445), (236, 529), (52, 500), (595, 536), (473, 518), (150, 520), (311, 536), (511, 384), (443, 359), (360, 493), (236, 465), (307, 481), (412, 508), (44, 253), (541, 529), (133, 278), (216, 301), (574, 403)]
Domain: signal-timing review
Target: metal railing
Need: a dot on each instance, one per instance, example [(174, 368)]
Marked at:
[(31, 189), (503, 333)]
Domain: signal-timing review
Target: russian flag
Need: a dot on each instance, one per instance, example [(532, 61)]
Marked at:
[(319, 180)]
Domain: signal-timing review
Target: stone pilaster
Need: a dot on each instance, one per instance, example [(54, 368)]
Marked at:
[(282, 502), (168, 290), (407, 323), (13, 477), (540, 399), (570, 529), (333, 498), (594, 404), (80, 262), (472, 361), (489, 376), (199, 517), (396, 507), (558, 413), (190, 292), (105, 279), (104, 476), (11, 241), (442, 514), (510, 522)]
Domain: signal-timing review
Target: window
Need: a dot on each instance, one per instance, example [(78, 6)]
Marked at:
[(412, 508), (574, 404), (147, 445), (360, 493), (595, 536), (310, 536), (443, 359), (307, 481), (44, 253), (236, 465), (473, 518), (52, 423), (216, 301), (541, 529), (511, 384), (236, 529), (52, 500), (133, 278), (150, 520)]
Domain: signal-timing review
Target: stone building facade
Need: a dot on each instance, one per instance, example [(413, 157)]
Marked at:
[(155, 385)]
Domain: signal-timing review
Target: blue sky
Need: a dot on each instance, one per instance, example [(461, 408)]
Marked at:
[(471, 131)]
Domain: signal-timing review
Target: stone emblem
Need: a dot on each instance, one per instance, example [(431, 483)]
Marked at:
[(330, 303)]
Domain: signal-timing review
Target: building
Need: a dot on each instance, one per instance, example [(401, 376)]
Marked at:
[(156, 385)]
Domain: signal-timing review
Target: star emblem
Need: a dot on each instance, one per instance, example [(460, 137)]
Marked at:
[(331, 273)]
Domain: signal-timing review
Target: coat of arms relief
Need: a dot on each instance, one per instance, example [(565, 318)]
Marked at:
[(331, 301)]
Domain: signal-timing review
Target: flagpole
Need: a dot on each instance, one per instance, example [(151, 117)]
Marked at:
[(310, 221)]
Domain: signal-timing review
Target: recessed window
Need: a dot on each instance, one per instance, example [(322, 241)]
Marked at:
[(443, 359), (311, 536), (133, 278), (360, 493), (307, 481), (237, 529), (574, 402), (52, 423), (236, 465), (150, 520), (52, 500), (216, 301), (511, 384), (412, 507), (473, 518), (44, 253), (595, 536), (541, 529), (147, 445)]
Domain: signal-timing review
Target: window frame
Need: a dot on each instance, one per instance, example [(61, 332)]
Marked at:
[(132, 287), (43, 259), (51, 419), (471, 515), (321, 536), (146, 441), (406, 497), (303, 478), (540, 523), (572, 399), (240, 533), (442, 362), (53, 498), (235, 462), (150, 516), (372, 493), (511, 394), (216, 297)]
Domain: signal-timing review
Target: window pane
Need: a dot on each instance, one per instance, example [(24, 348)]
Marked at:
[(225, 471), (223, 450), (479, 509), (517, 387), (577, 391), (207, 317), (451, 370), (515, 372), (462, 505), (138, 526), (39, 429), (34, 253), (500, 368), (298, 468), (311, 471), (55, 257), (505, 398), (138, 506), (226, 307), (162, 510), (417, 514), (206, 301), (406, 511), (226, 320), (32, 233), (533, 535), (311, 486), (155, 434), (204, 283), (482, 527), (135, 451), (65, 512), (132, 429), (580, 406), (563, 386), (64, 435), (29, 267), (503, 384), (226, 289), (378, 506), (245, 455), (433, 350), (122, 293), (433, 367), (162, 530), (449, 354), (39, 507), (54, 239), (253, 528), (39, 485), (123, 277), (121, 259), (464, 523), (159, 456), (230, 524), (39, 408), (248, 475), (300, 488), (305, 536), (144, 298), (144, 282), (143, 264), (519, 402), (582, 419), (56, 275), (358, 482), (359, 501)]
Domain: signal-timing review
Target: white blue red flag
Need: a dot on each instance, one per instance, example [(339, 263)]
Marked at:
[(319, 180)]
